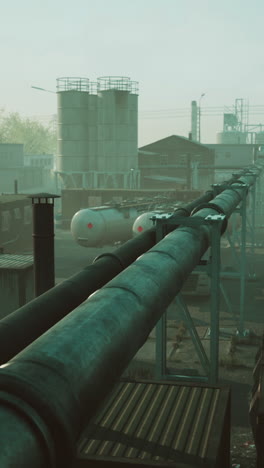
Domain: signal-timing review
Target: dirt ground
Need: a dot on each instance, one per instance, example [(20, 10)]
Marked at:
[(243, 452)]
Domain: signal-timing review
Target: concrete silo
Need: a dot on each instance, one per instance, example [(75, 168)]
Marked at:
[(117, 127), (92, 129), (77, 131)]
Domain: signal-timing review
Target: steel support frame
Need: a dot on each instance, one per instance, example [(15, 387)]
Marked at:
[(213, 267), (213, 270), (260, 201), (243, 273)]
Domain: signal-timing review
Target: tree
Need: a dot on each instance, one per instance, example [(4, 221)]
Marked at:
[(37, 138)]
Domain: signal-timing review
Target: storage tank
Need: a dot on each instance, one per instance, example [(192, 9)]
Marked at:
[(117, 124), (104, 225), (143, 222), (230, 138)]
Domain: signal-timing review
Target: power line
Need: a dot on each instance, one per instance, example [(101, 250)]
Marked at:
[(187, 109)]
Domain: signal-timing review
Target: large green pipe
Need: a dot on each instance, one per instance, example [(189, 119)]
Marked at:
[(60, 380), (43, 312)]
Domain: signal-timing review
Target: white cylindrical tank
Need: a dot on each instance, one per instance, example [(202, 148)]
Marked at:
[(143, 222), (231, 137), (93, 227)]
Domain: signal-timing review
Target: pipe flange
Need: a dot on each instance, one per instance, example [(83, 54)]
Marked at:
[(111, 255)]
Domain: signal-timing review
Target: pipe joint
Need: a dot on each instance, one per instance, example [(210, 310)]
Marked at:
[(238, 185), (184, 210), (208, 205), (40, 430), (111, 255), (52, 426), (215, 207)]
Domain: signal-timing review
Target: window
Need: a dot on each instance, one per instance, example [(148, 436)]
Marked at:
[(181, 159), (164, 160), (17, 213), (6, 220), (27, 214)]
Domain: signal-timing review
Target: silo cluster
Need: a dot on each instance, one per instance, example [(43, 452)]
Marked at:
[(97, 131)]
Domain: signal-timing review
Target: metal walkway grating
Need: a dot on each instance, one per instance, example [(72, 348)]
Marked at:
[(160, 423)]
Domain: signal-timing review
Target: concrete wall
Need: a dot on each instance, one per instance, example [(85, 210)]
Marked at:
[(233, 155), (29, 179)]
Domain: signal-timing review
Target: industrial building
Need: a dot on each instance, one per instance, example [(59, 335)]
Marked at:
[(19, 172), (231, 156), (15, 223), (176, 161)]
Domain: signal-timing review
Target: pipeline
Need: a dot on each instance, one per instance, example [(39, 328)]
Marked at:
[(46, 310), (40, 314), (53, 387)]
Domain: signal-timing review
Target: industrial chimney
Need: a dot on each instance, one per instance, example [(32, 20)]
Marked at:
[(194, 122)]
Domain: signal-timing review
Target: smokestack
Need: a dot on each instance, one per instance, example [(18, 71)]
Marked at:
[(194, 120), (43, 241)]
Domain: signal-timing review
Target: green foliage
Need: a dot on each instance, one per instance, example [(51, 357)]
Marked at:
[(37, 138)]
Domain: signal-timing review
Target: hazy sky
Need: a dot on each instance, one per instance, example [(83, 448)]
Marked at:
[(175, 49)]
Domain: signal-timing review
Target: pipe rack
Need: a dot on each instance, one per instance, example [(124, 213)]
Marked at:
[(53, 387)]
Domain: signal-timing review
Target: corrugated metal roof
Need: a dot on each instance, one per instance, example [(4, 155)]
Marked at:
[(174, 139), (6, 198), (157, 423), (15, 262)]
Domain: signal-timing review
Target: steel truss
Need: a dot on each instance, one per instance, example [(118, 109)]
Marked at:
[(213, 268)]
